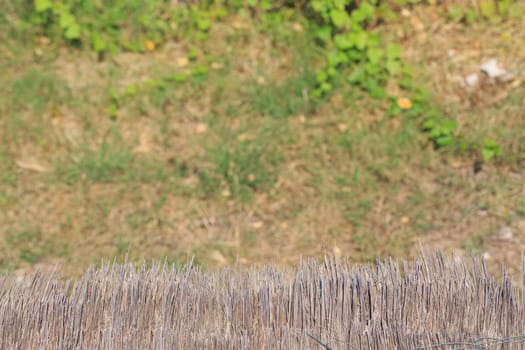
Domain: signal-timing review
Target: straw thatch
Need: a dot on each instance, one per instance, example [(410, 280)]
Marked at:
[(431, 301)]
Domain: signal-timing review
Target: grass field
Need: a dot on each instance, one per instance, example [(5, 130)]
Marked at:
[(217, 150)]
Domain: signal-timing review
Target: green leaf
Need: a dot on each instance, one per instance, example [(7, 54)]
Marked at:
[(132, 90), (193, 54), (359, 39), (491, 149), (375, 55), (199, 70), (454, 13), (221, 12), (42, 5), (375, 90), (343, 41), (180, 77), (354, 55), (393, 51), (204, 25), (97, 42), (487, 154), (325, 87), (321, 77), (443, 141), (374, 39), (201, 36), (317, 93), (405, 83), (66, 19), (321, 7), (358, 16), (488, 9), (393, 67), (393, 110), (449, 126), (367, 9), (339, 4), (324, 33), (374, 68), (358, 76), (265, 5), (428, 125), (489, 143), (336, 57), (470, 15), (332, 57), (73, 32), (363, 13), (115, 96), (113, 110), (339, 18)]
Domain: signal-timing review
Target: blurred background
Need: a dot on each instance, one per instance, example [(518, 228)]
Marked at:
[(251, 132)]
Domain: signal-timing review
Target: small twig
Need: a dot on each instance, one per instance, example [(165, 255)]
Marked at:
[(319, 342)]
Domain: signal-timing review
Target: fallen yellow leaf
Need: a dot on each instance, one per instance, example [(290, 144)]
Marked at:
[(243, 137), (404, 103), (298, 27), (257, 224), (182, 62), (201, 128), (150, 45)]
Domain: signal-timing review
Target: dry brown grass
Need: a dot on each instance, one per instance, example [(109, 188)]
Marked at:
[(433, 300)]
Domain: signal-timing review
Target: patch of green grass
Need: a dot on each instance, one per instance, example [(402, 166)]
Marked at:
[(367, 245), (122, 246), (37, 88), (475, 244), (138, 219), (23, 236), (249, 238), (111, 162), (8, 176), (31, 246), (27, 99), (107, 163), (304, 241), (282, 99), (244, 162)]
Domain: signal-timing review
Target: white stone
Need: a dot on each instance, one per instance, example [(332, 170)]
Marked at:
[(471, 79), (491, 69)]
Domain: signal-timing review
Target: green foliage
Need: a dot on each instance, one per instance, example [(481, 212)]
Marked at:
[(490, 10), (490, 150), (109, 26), (48, 11), (344, 30), (354, 47), (372, 63), (439, 129)]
